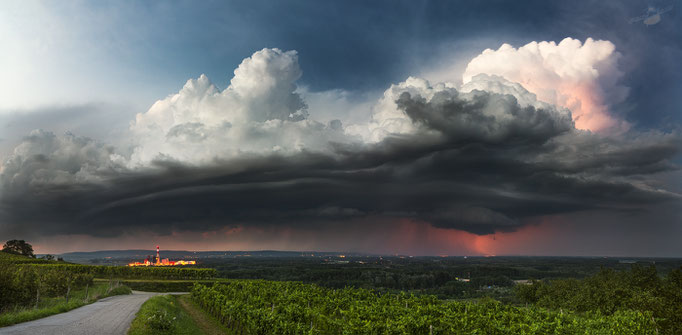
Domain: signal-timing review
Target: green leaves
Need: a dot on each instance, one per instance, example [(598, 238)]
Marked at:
[(610, 292), (18, 247), (264, 307), (104, 271), (23, 280)]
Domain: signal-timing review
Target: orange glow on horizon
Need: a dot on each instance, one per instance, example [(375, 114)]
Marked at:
[(445, 241), (161, 262), (403, 236)]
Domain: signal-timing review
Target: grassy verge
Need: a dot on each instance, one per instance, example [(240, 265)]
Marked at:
[(163, 315), (159, 285), (208, 324), (50, 306)]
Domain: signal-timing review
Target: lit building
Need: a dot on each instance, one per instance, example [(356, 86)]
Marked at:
[(161, 262)]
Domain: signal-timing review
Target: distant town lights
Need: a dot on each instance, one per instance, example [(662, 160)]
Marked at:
[(161, 262)]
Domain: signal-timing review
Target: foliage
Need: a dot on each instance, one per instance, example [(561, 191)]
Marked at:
[(50, 306), (18, 247), (163, 315), (162, 285), (609, 292), (104, 271), (9, 258), (264, 307), (24, 284), (120, 290), (207, 323), (441, 276), (161, 321)]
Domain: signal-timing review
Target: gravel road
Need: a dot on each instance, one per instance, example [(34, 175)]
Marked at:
[(109, 316)]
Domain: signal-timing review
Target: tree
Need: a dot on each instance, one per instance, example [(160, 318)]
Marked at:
[(48, 257), (18, 247)]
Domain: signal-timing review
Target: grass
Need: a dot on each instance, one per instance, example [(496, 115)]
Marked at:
[(162, 285), (50, 306), (122, 280), (208, 324), (164, 314), (157, 285)]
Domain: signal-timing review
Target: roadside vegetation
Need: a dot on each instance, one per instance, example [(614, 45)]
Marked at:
[(32, 288), (171, 314), (54, 305), (156, 285), (208, 324)]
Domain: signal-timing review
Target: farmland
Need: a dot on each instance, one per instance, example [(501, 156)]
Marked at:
[(364, 294), (32, 288)]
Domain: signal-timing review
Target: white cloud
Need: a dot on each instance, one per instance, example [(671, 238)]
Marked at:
[(259, 112), (387, 118), (44, 158), (580, 76), (350, 106)]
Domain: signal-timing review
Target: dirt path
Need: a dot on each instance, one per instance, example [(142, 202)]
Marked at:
[(207, 325), (111, 315)]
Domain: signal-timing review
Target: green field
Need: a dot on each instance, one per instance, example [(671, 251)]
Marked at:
[(264, 307), (33, 288), (626, 300)]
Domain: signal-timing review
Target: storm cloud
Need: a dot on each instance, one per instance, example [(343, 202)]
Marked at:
[(483, 158)]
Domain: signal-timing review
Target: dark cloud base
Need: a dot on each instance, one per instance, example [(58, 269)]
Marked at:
[(464, 169)]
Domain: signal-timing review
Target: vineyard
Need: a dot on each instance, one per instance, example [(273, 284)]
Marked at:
[(266, 307), (125, 272), (7, 258), (24, 281)]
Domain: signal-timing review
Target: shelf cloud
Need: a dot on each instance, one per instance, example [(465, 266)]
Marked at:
[(484, 157)]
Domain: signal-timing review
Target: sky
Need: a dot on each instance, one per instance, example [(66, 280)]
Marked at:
[(388, 127)]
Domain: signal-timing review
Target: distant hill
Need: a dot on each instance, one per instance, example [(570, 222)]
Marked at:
[(126, 256)]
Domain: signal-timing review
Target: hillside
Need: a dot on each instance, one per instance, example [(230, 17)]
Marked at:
[(121, 257), (19, 259)]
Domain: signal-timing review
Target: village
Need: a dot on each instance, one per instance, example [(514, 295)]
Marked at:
[(157, 261)]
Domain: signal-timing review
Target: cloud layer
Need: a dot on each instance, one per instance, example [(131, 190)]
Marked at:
[(482, 158)]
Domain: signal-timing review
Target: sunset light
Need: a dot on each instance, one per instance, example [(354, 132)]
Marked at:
[(412, 167)]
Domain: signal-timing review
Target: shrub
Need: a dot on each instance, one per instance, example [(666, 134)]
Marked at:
[(161, 320)]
